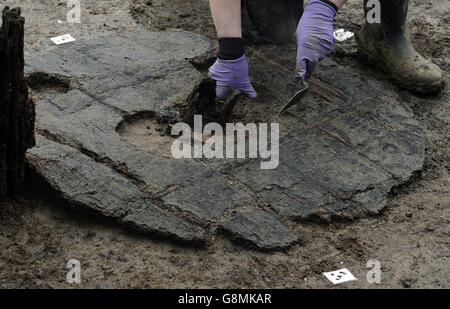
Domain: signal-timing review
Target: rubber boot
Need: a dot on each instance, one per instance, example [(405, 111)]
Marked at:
[(387, 44), (270, 21)]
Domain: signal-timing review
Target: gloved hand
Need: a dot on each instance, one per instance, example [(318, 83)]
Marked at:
[(231, 74), (315, 37)]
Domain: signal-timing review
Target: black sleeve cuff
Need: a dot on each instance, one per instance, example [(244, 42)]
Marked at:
[(331, 4), (231, 48)]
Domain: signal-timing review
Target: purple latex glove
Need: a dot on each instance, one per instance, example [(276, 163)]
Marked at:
[(231, 74), (315, 37)]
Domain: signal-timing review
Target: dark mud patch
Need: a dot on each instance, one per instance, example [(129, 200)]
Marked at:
[(42, 84), (41, 81), (158, 15), (430, 41)]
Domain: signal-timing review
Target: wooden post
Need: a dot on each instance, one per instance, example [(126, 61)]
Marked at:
[(17, 112), (203, 101)]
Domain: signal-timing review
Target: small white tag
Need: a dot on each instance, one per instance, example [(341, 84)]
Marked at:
[(340, 276), (342, 35), (62, 39)]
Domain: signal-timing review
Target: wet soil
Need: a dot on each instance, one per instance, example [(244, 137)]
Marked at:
[(39, 232)]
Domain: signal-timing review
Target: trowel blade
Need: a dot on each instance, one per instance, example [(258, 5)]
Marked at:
[(296, 98)]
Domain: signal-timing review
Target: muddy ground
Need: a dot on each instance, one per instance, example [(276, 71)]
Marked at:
[(39, 233)]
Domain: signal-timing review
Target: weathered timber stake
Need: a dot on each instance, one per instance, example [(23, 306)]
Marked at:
[(17, 112), (203, 101)]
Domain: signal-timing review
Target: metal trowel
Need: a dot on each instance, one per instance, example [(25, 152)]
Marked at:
[(296, 98)]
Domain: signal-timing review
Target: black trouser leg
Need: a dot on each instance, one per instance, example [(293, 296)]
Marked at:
[(270, 21)]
